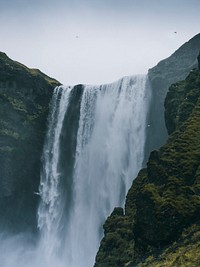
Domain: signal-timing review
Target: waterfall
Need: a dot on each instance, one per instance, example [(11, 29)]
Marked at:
[(49, 214), (109, 152)]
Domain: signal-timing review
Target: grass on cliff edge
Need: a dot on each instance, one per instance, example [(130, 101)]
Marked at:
[(182, 253)]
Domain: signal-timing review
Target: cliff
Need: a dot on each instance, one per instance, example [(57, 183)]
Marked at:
[(24, 102), (160, 224), (168, 71)]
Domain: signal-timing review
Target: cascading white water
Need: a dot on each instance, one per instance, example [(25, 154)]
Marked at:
[(49, 212), (109, 153)]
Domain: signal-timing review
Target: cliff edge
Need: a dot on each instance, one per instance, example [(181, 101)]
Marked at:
[(24, 102), (168, 71)]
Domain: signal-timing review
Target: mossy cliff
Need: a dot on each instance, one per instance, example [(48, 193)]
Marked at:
[(161, 222), (170, 70), (24, 102)]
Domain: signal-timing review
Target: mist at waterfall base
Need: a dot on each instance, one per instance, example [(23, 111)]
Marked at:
[(91, 155)]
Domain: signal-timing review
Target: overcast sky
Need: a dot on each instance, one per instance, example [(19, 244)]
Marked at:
[(95, 41)]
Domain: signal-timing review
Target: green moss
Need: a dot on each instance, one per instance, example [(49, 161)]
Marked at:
[(152, 191), (118, 242), (33, 117), (38, 73), (6, 149), (49, 80), (9, 133), (184, 252), (17, 104)]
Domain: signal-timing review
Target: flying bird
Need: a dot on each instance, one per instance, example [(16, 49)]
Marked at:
[(36, 193)]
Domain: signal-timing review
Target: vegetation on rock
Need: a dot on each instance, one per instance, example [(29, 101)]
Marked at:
[(24, 104), (160, 226), (168, 71)]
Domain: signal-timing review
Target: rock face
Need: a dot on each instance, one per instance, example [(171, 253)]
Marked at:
[(24, 102), (163, 204), (165, 73)]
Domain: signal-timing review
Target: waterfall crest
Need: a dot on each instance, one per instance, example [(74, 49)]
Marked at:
[(109, 152)]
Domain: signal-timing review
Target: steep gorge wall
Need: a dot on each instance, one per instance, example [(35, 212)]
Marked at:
[(168, 71), (163, 204), (24, 103)]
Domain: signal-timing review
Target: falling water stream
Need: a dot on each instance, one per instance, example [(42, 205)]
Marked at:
[(109, 153)]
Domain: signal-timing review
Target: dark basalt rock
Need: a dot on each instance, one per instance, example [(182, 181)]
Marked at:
[(198, 61), (24, 105)]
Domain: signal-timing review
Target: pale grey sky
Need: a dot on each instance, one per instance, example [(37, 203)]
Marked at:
[(95, 41)]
